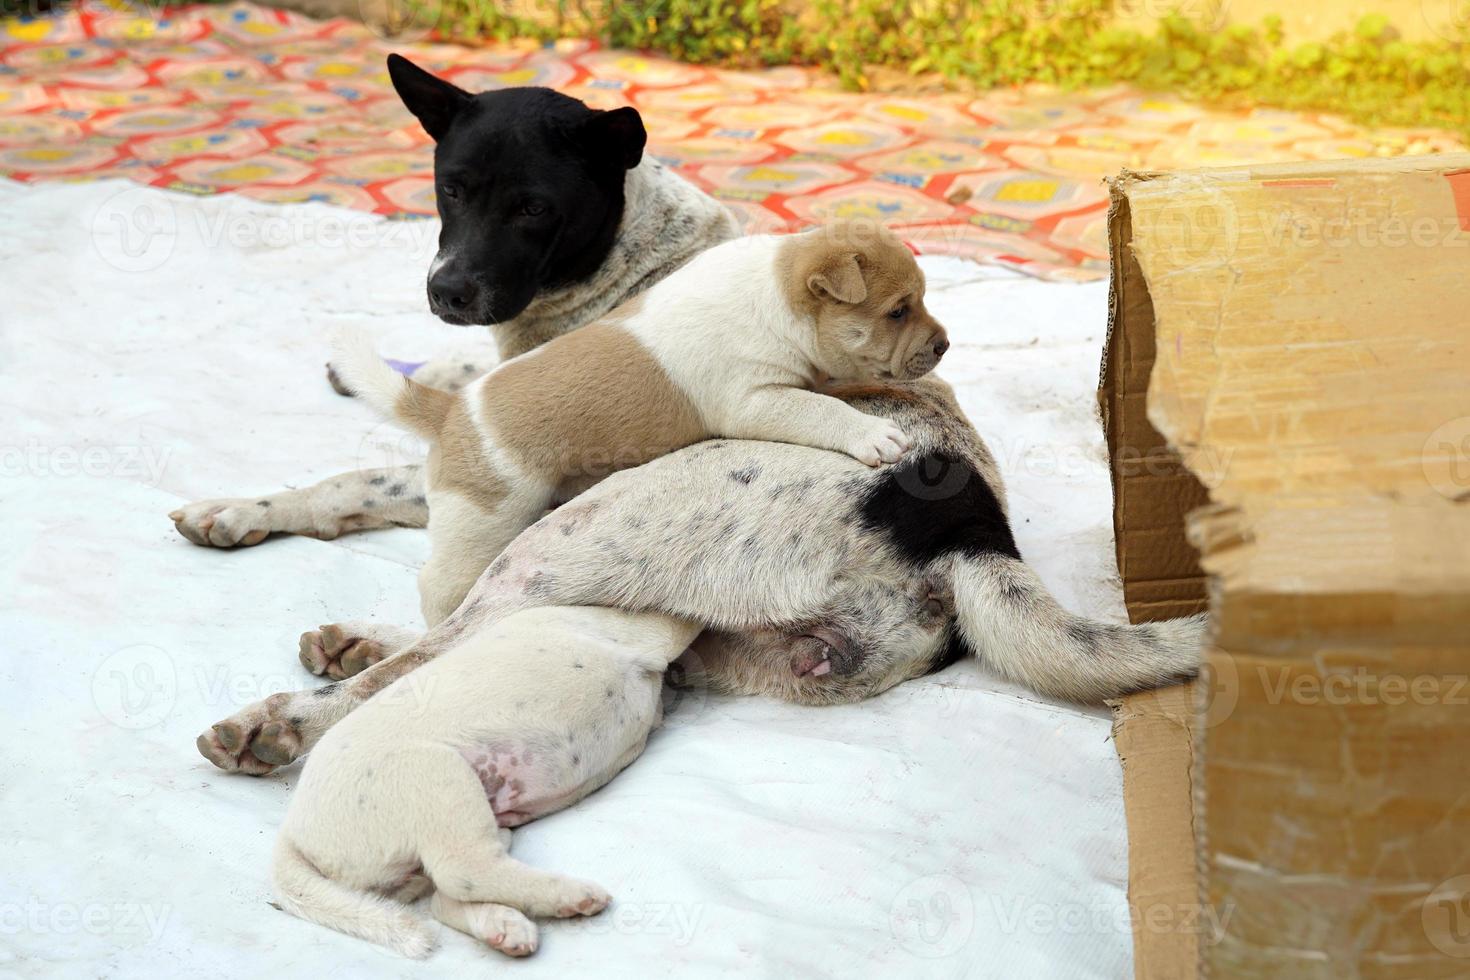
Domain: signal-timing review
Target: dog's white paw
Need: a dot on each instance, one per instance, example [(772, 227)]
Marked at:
[(232, 523), (581, 898), (256, 739), (503, 928), (881, 442), (338, 653)]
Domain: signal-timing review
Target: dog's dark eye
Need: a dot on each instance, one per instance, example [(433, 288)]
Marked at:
[(531, 209), (898, 313), (450, 191)]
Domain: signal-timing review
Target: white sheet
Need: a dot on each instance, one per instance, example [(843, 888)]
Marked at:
[(953, 827)]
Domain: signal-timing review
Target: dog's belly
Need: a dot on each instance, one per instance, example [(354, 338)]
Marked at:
[(520, 781)]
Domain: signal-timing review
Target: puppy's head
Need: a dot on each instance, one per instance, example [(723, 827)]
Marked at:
[(864, 295), (529, 186)]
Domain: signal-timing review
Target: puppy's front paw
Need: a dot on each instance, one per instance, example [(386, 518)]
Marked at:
[(881, 442), (223, 523)]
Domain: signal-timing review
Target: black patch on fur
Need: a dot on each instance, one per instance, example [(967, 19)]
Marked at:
[(954, 650), (936, 504), (745, 476), (378, 481), (262, 503), (325, 690), (396, 490), (1084, 634)]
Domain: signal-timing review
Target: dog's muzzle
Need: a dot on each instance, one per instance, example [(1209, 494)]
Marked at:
[(454, 298), (926, 357)]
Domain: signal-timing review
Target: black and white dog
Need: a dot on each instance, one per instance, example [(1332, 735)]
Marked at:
[(551, 216)]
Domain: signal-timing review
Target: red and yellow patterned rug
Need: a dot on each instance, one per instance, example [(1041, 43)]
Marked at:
[(283, 108)]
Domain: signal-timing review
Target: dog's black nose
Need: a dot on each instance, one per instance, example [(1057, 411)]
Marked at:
[(940, 346), (451, 292)]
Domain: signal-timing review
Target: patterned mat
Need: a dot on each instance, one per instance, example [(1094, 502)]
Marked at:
[(283, 108)]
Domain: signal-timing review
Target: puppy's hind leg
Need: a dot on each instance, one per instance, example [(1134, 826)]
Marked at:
[(304, 891), (463, 852), (497, 926), (467, 535), (341, 650)]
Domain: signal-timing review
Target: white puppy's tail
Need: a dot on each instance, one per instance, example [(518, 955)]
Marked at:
[(417, 406), (306, 892), (1009, 619)]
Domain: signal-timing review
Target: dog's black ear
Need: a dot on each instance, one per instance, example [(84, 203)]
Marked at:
[(432, 99), (615, 135)]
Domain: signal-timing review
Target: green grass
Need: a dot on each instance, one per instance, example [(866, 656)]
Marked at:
[(1368, 74)]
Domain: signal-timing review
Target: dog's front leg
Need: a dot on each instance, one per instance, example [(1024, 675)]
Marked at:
[(806, 418), (444, 373), (358, 501)]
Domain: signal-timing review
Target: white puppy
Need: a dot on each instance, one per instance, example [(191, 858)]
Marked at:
[(406, 795), (730, 345)]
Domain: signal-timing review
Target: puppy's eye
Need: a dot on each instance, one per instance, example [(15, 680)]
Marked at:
[(898, 313), (450, 191), (531, 209)]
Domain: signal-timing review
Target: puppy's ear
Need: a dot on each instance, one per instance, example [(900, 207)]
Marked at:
[(432, 99), (839, 278), (616, 135)]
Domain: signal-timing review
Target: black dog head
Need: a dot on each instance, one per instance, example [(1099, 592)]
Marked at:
[(529, 184)]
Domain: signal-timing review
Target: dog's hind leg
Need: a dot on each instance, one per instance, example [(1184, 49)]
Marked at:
[(339, 650), (276, 730), (462, 850), (467, 536), (358, 501), (497, 926)]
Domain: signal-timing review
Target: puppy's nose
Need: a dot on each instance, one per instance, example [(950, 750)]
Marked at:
[(451, 292), (940, 346)]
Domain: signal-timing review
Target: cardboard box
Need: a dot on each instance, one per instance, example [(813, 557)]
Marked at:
[(1286, 395)]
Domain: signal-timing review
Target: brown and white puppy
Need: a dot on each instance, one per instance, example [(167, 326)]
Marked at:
[(730, 345)]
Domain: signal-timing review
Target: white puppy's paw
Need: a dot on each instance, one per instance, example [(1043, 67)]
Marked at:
[(237, 522), (881, 442), (581, 898), (503, 928)]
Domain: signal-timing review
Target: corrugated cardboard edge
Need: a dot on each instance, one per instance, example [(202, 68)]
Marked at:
[(1153, 735), (1152, 488), (1152, 730)]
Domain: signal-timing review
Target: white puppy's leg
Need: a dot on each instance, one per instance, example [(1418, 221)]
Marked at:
[(466, 539), (358, 501), (806, 418), (461, 848), (340, 650), (497, 926)]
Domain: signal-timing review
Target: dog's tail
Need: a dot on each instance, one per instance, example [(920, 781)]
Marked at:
[(366, 375), (1009, 619), (305, 892)]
